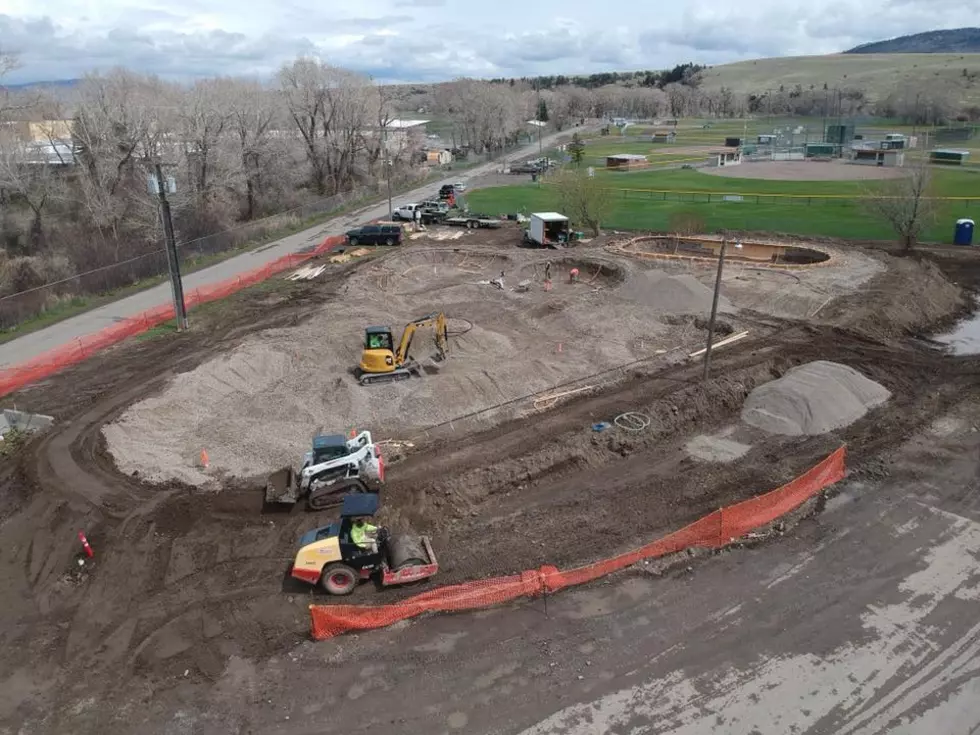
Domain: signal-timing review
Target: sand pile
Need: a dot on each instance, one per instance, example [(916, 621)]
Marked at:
[(812, 399), (678, 294)]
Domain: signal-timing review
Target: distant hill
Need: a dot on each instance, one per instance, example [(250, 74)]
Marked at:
[(53, 84), (878, 75), (952, 41)]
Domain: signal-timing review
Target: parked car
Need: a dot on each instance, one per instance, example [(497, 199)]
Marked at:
[(375, 235), (405, 212), (446, 191), (459, 186)]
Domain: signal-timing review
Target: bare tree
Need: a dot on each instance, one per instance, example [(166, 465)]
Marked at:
[(906, 204), (29, 174), (252, 112), (123, 121), (330, 107), (204, 116), (11, 104), (344, 118), (583, 199), (303, 85)]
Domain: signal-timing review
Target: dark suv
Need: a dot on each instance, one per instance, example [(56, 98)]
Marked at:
[(375, 235)]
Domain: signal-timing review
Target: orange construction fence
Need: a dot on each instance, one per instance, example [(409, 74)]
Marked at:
[(81, 348), (713, 531)]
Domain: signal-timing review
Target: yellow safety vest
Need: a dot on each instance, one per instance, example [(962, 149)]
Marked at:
[(359, 534)]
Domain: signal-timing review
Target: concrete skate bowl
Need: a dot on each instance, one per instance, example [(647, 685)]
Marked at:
[(418, 271), (591, 271), (780, 256)]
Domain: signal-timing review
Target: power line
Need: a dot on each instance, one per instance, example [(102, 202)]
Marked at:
[(81, 275)]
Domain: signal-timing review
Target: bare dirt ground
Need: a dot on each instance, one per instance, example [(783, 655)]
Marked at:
[(805, 171), (255, 408), (189, 586)]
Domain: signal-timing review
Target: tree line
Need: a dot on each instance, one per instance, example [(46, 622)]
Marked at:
[(74, 164), (251, 159)]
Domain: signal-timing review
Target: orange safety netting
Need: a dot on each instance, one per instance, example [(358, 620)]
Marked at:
[(81, 348), (712, 531)]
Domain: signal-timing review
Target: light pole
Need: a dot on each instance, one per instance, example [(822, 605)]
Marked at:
[(159, 186), (714, 305)]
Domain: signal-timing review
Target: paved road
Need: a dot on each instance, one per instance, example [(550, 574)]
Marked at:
[(863, 620), (35, 343)]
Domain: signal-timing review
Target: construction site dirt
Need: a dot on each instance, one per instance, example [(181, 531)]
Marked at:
[(191, 576)]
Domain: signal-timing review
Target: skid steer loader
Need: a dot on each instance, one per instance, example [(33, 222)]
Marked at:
[(335, 467)]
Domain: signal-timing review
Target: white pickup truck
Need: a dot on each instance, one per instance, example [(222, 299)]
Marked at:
[(405, 212)]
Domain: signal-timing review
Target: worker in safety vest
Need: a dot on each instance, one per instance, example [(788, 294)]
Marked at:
[(364, 536)]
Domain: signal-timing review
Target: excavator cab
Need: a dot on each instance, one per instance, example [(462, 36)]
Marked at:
[(379, 351)]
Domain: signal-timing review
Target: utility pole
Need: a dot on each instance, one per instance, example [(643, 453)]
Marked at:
[(538, 116), (173, 262), (714, 305), (387, 163)]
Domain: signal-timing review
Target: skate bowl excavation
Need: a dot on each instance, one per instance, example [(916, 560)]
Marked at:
[(707, 249)]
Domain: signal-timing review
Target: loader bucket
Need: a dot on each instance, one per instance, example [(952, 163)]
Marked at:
[(282, 486)]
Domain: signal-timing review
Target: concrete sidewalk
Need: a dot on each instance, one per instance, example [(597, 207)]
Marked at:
[(35, 343)]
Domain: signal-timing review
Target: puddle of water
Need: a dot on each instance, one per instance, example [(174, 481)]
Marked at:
[(964, 339)]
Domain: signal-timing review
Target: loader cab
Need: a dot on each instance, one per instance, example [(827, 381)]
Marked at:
[(379, 350), (329, 447)]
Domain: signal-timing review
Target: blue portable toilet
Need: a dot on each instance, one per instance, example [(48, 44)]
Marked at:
[(964, 232)]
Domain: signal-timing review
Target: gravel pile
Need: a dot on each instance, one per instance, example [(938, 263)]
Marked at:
[(677, 294), (812, 399)]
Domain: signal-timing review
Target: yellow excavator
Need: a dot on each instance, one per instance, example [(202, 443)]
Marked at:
[(381, 362)]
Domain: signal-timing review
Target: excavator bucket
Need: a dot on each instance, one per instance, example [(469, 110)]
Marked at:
[(282, 486)]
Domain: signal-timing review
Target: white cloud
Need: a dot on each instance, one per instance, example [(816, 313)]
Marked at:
[(440, 39)]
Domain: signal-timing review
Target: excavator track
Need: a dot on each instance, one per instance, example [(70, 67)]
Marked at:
[(376, 378)]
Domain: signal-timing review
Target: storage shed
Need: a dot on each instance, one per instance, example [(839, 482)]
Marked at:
[(438, 157), (663, 136), (877, 157), (729, 157), (948, 156)]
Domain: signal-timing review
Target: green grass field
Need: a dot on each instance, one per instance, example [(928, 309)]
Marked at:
[(956, 182), (636, 209)]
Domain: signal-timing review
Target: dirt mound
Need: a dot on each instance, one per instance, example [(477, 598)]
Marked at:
[(677, 294), (891, 312), (812, 399)]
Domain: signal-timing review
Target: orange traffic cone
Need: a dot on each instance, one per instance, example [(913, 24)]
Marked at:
[(205, 462)]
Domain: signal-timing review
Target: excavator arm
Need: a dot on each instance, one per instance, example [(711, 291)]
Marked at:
[(438, 320)]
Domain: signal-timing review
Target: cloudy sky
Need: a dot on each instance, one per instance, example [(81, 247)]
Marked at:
[(424, 40)]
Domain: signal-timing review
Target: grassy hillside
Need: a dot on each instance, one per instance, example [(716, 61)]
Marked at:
[(877, 74)]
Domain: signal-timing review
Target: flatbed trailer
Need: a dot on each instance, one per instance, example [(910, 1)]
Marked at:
[(472, 222)]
